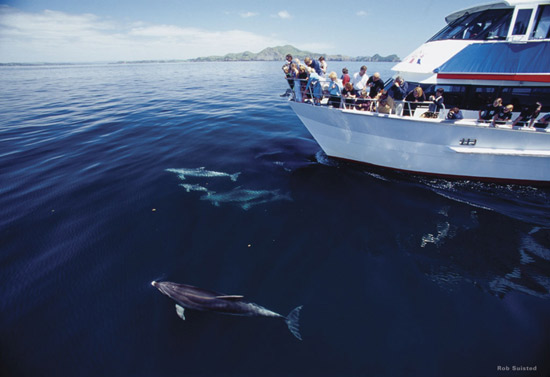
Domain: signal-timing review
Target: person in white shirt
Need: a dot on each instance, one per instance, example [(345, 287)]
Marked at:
[(359, 79)]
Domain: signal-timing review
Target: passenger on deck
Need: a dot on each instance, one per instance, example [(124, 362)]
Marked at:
[(314, 87), (376, 84), (312, 63), (349, 94), (303, 76), (438, 99), (289, 59), (487, 115), (345, 76), (335, 91), (398, 91), (528, 115), (455, 114), (503, 116), (363, 101), (288, 75), (384, 103), (360, 79), (415, 95), (323, 65), (294, 73), (436, 106), (543, 122)]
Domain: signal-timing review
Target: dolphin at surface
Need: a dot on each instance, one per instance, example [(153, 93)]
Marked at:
[(187, 296)]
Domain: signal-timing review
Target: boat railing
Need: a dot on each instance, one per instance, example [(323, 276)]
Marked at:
[(307, 93), (318, 95)]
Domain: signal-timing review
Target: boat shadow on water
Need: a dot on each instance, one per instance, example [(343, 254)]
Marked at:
[(496, 237)]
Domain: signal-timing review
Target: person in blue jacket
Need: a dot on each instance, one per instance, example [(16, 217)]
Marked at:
[(313, 86), (455, 114), (312, 63), (335, 90)]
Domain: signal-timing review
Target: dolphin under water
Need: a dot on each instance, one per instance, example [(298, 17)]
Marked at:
[(244, 197), (187, 296), (201, 172)]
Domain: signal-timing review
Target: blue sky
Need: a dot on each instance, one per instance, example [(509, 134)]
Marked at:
[(112, 30)]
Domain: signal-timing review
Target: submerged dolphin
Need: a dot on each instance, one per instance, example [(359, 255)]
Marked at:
[(201, 172), (195, 298), (244, 197)]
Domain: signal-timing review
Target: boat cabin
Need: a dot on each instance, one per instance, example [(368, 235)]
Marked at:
[(485, 52)]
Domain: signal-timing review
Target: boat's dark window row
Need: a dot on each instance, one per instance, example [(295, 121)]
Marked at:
[(470, 97), (490, 24), (542, 23), (522, 21), (494, 25)]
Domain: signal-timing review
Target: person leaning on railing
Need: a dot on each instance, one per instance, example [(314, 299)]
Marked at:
[(529, 114), (544, 122), (376, 84), (397, 92), (302, 77), (487, 114), (503, 116), (415, 95), (314, 87), (349, 94), (455, 114), (437, 104)]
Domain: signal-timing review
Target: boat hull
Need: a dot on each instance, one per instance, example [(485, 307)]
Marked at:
[(461, 149)]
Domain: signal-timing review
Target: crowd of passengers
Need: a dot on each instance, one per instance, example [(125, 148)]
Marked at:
[(364, 93)]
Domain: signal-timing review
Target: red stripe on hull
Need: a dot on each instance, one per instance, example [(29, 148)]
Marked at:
[(502, 77)]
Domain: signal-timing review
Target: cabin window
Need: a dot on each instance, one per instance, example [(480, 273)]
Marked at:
[(524, 96), (542, 23), (485, 25), (483, 96), (454, 95), (522, 21)]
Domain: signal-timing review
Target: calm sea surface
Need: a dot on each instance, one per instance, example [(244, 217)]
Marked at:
[(101, 192)]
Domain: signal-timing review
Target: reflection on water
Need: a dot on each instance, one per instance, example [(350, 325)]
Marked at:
[(463, 243), (525, 203)]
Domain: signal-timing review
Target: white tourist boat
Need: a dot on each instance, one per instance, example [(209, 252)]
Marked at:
[(488, 51)]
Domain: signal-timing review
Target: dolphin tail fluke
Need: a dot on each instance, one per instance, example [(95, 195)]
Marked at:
[(292, 321)]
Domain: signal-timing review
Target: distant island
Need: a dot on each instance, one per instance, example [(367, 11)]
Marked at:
[(267, 54), (278, 54)]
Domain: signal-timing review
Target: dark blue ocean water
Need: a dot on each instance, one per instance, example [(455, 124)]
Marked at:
[(398, 275)]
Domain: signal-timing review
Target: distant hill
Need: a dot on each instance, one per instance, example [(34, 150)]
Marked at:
[(278, 54)]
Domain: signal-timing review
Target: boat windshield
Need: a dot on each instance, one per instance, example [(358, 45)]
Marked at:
[(542, 26), (486, 25)]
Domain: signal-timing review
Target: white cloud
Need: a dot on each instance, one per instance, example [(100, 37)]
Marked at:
[(361, 13), (248, 14), (284, 15), (51, 36)]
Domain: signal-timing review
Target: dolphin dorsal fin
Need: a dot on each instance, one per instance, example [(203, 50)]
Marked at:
[(230, 297)]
